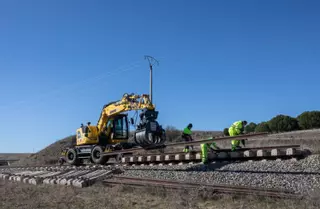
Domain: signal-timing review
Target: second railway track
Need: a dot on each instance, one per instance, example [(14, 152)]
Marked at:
[(208, 188)]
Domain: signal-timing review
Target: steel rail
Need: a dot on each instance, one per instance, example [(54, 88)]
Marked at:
[(265, 148), (198, 184), (241, 190), (225, 150), (241, 137)]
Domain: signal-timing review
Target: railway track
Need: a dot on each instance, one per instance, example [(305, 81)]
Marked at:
[(86, 175), (207, 188), (256, 153), (244, 154)]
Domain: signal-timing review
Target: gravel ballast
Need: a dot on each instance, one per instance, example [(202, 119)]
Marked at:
[(301, 176)]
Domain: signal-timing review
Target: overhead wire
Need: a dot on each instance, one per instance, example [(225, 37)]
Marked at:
[(129, 67)]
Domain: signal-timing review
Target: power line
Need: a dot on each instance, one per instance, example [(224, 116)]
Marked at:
[(75, 84)]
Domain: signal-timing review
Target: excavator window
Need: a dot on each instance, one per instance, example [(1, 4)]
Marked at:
[(78, 135), (121, 130)]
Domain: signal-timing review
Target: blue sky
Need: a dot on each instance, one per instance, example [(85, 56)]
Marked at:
[(220, 61)]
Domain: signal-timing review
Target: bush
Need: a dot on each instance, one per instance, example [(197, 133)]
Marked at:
[(250, 128), (226, 132), (309, 120), (173, 134), (262, 127), (283, 123)]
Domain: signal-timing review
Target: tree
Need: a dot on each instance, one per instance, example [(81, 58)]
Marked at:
[(309, 120), (250, 128), (173, 134), (226, 132), (262, 127), (283, 123)]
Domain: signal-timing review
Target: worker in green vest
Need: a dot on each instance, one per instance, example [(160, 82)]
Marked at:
[(237, 128), (205, 148), (186, 135)]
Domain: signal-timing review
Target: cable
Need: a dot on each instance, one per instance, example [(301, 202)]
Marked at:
[(75, 84)]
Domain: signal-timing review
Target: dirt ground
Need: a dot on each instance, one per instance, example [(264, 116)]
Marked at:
[(26, 196)]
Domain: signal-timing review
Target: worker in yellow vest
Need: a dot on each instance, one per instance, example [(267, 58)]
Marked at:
[(205, 147), (237, 128)]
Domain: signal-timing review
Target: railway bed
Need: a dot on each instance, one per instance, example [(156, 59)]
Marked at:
[(108, 177), (86, 175)]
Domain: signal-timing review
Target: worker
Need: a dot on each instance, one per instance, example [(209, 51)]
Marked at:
[(186, 135), (205, 147), (237, 128), (109, 128)]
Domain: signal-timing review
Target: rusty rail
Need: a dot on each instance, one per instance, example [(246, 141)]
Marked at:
[(229, 150), (215, 188), (245, 136)]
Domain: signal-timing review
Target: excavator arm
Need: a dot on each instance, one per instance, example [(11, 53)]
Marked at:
[(127, 103)]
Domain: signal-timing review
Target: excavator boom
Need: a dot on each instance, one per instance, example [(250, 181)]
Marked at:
[(127, 103), (149, 133)]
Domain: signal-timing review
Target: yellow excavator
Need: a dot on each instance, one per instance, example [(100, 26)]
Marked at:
[(112, 131)]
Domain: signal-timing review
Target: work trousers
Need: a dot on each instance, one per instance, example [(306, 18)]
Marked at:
[(187, 138)]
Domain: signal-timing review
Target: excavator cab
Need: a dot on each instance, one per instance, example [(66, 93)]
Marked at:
[(118, 128)]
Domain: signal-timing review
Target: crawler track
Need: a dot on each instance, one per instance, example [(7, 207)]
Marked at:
[(238, 190)]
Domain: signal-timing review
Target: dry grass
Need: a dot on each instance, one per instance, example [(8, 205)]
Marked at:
[(18, 195)]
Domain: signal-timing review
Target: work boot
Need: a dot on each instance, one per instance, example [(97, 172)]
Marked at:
[(235, 147)]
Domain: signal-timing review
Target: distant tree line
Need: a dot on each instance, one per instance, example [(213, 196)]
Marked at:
[(284, 123)]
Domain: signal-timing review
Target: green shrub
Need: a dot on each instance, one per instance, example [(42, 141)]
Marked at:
[(309, 120), (250, 128), (262, 127), (283, 123)]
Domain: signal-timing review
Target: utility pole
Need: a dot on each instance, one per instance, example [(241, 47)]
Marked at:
[(151, 61)]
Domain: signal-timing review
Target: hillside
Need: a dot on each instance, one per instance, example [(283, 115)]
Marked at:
[(48, 155), (309, 139)]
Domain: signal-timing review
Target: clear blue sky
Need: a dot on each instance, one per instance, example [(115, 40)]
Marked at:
[(220, 61)]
